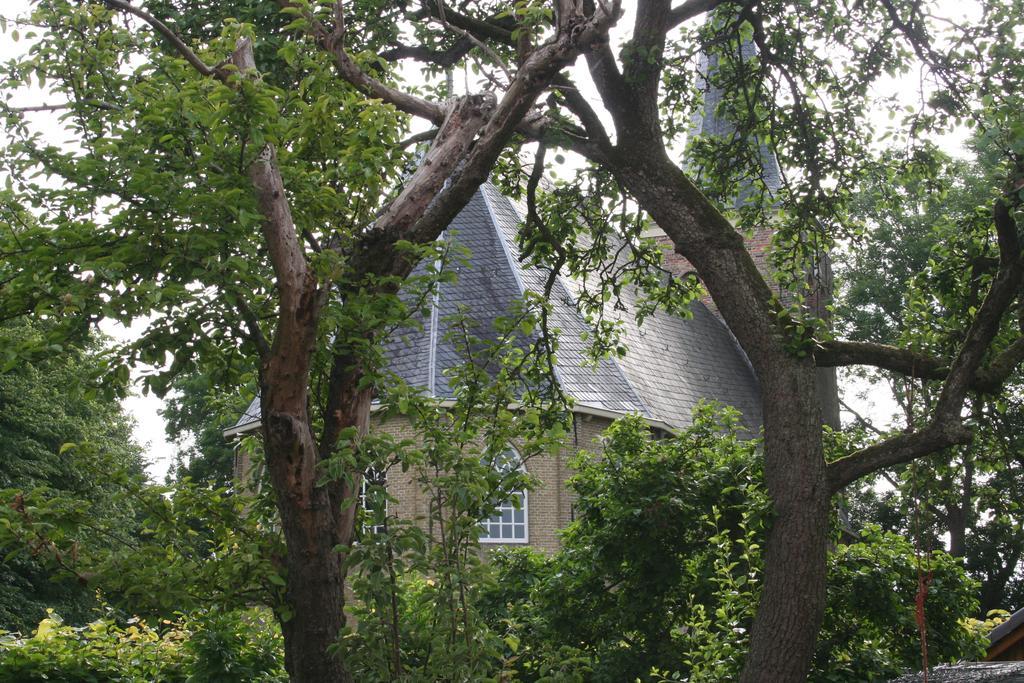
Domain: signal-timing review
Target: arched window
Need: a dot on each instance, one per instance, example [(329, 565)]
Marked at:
[(510, 521), (373, 495)]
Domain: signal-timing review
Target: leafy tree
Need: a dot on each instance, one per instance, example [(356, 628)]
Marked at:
[(970, 492), (661, 569), (188, 162), (197, 412), (60, 438), (272, 219), (420, 580)]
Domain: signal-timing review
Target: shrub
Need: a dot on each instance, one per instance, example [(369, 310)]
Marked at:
[(208, 647)]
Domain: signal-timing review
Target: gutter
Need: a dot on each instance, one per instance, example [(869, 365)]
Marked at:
[(579, 409)]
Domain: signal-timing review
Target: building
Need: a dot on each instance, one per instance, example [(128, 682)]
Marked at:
[(672, 362), (1006, 641)]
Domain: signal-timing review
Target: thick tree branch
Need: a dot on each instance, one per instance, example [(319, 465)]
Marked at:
[(615, 93), (946, 427), (896, 450), (443, 58), (425, 136), (457, 163), (579, 106), (690, 9), (837, 353), (987, 380), (481, 29)]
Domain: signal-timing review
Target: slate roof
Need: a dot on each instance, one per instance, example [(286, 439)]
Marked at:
[(671, 364), (970, 672), (1004, 629)]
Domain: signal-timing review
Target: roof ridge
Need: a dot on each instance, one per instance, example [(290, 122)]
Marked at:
[(559, 281)]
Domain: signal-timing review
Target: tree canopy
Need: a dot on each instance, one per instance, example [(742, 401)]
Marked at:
[(243, 175), (62, 437)]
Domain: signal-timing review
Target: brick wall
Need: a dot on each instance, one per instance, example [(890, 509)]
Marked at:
[(549, 503), (758, 244)]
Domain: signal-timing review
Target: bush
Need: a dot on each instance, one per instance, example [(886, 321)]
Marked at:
[(235, 646)]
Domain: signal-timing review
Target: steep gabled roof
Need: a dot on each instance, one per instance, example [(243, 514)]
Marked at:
[(671, 364)]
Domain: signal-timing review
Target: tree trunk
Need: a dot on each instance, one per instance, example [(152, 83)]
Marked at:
[(315, 575), (792, 602), (315, 593)]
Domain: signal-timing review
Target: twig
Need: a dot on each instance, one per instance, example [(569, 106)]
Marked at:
[(476, 41), (162, 28)]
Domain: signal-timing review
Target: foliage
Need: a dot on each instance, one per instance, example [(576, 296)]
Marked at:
[(921, 226), (666, 532), (657, 576), (195, 547), (62, 435), (196, 412), (149, 212), (215, 647), (165, 242), (870, 630), (419, 583)]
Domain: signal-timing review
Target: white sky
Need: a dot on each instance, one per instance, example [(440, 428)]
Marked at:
[(149, 429)]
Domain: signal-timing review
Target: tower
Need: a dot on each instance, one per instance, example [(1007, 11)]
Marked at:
[(712, 121)]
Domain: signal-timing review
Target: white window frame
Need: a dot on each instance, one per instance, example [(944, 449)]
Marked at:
[(511, 456), (379, 478)]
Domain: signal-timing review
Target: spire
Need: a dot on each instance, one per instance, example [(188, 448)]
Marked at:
[(710, 121)]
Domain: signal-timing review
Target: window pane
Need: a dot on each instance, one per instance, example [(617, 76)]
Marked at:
[(508, 521)]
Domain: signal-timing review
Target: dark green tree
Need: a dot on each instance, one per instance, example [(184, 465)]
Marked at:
[(919, 298), (251, 197), (197, 412), (267, 219), (660, 572), (60, 435)]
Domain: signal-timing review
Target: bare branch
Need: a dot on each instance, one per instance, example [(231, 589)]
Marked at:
[(419, 137), (488, 29), (838, 353), (861, 420), (443, 58), (495, 57), (160, 27), (690, 9), (579, 106), (252, 323)]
